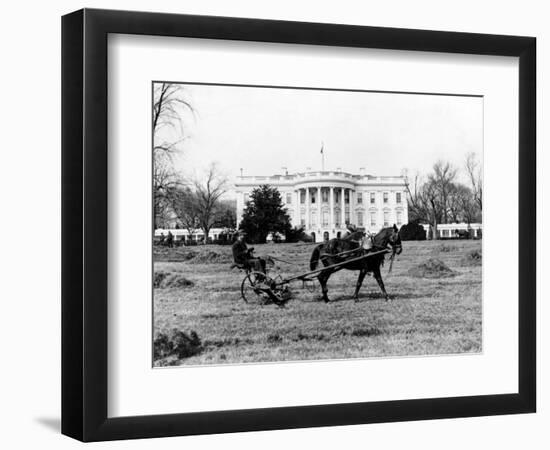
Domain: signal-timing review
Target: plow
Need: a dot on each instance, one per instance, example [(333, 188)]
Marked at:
[(259, 287)]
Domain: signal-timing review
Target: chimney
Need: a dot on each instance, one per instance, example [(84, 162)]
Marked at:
[(308, 169), (339, 169), (362, 171)]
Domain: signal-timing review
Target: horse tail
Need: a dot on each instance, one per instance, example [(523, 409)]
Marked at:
[(315, 257)]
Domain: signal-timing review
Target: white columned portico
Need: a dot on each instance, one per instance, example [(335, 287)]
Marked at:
[(307, 208), (331, 205), (297, 208), (342, 209), (319, 203), (352, 206)]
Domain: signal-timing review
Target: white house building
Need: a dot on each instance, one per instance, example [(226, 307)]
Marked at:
[(325, 201)]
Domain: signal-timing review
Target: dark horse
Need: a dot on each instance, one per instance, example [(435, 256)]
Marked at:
[(356, 245)]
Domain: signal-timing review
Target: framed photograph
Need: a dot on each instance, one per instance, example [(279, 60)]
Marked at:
[(273, 224)]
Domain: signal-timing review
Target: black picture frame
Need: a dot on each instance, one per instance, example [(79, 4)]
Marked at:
[(84, 224)]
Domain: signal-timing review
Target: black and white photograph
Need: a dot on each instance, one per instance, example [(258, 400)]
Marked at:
[(298, 224), (275, 225)]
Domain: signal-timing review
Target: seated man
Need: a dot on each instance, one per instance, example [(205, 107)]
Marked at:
[(243, 255)]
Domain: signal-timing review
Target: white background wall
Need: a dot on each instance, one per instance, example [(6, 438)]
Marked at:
[(30, 187)]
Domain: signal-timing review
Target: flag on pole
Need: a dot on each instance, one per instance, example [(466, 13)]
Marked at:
[(322, 147)]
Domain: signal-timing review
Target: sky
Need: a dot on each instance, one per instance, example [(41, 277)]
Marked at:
[(261, 130)]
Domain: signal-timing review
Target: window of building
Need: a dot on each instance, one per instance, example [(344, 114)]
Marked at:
[(313, 219), (302, 219), (324, 195), (398, 197), (312, 196), (347, 217), (289, 199), (372, 198), (245, 197), (325, 218), (359, 198), (372, 219), (360, 219), (346, 197), (302, 197), (385, 197), (386, 219), (399, 218), (337, 196)]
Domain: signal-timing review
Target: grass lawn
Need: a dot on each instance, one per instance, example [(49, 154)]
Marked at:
[(428, 316)]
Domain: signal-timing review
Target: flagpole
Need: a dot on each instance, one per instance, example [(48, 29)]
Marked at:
[(322, 156)]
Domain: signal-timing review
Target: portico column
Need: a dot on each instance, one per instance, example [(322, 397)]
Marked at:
[(352, 206), (331, 224), (319, 203), (342, 209), (297, 208), (307, 208)]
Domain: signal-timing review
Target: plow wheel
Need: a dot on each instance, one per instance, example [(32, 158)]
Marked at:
[(259, 288), (255, 288)]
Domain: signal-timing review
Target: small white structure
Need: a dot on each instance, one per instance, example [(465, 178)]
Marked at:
[(449, 230), (197, 235)]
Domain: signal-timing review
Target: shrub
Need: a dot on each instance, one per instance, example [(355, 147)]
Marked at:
[(472, 258), (185, 345), (296, 234), (163, 280), (412, 232), (159, 277), (178, 343)]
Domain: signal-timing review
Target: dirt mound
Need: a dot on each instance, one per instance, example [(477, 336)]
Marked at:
[(163, 280), (178, 343), (445, 248), (432, 268), (472, 258), (202, 256), (212, 257)]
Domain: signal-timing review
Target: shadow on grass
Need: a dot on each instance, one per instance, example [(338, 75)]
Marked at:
[(371, 296)]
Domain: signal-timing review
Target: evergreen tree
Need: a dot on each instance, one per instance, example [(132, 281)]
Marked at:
[(264, 214)]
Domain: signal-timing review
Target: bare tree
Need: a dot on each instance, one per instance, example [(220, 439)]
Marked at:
[(208, 191), (424, 203), (476, 178), (442, 180), (432, 201), (416, 207), (428, 201), (165, 182), (169, 107), (462, 206), (184, 205)]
